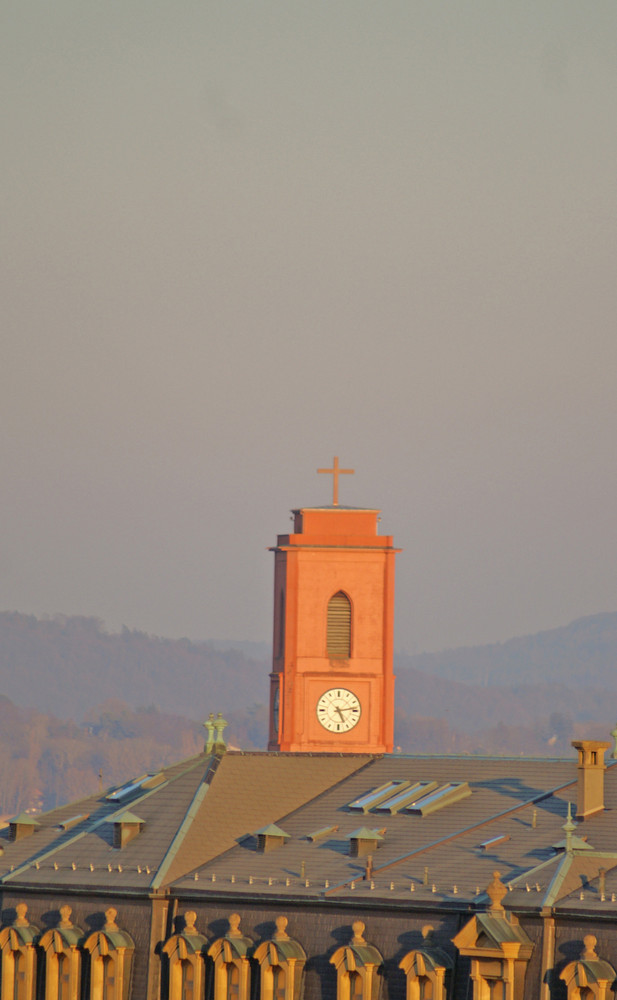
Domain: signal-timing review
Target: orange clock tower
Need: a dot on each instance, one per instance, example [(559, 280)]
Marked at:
[(332, 684)]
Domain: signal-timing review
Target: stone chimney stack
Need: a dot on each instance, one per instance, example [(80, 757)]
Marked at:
[(591, 768)]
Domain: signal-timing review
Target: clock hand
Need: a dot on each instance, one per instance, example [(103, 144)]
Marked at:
[(340, 712)]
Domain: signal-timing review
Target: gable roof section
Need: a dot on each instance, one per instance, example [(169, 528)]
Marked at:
[(84, 854), (503, 795), (576, 870), (249, 791)]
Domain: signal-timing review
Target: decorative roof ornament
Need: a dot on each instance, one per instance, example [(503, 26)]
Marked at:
[(589, 953), (281, 929), (496, 891), (569, 827), (220, 725), (614, 735), (209, 727), (214, 734), (358, 927)]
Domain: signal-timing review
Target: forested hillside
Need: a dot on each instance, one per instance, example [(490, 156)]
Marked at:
[(66, 665), (582, 653), (77, 701), (45, 760)]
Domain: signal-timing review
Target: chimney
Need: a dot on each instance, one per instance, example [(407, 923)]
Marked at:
[(591, 768)]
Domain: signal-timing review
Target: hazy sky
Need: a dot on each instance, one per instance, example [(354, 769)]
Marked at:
[(240, 238)]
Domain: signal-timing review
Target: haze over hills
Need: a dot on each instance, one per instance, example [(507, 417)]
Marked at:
[(579, 654), (66, 665), (77, 699)]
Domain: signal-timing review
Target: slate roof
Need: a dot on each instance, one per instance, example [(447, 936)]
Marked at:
[(200, 826), (84, 854), (188, 819), (504, 795), (240, 801)]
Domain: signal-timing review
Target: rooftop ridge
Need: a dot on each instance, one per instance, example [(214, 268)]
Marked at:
[(406, 756)]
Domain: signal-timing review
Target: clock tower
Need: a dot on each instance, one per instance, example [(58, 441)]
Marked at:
[(332, 684)]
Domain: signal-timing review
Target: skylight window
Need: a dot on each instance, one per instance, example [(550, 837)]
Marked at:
[(443, 796), (419, 798), (408, 796), (144, 783), (321, 834), (488, 845), (68, 824), (371, 799)]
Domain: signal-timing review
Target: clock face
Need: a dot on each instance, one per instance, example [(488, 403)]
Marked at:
[(338, 710)]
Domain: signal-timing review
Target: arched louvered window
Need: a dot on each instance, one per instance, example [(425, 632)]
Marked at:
[(358, 968), (185, 953), (20, 989), (64, 978), (339, 626), (278, 983), (187, 973), (356, 986), (281, 965), (111, 958), (232, 968), (18, 954)]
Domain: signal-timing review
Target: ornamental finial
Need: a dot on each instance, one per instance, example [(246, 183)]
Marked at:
[(281, 929), (496, 890), (358, 932)]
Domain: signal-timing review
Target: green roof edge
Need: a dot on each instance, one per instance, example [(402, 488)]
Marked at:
[(187, 822)]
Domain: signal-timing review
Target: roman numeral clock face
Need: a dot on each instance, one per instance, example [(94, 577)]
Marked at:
[(338, 710)]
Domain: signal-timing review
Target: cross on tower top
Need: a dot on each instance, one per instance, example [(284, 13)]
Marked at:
[(335, 472)]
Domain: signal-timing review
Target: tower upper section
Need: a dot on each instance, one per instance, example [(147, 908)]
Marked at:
[(332, 679)]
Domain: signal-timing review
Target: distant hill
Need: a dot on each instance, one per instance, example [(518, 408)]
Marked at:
[(577, 655), (469, 707), (76, 700), (65, 665)]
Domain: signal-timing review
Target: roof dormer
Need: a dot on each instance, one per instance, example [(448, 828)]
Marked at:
[(127, 826)]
